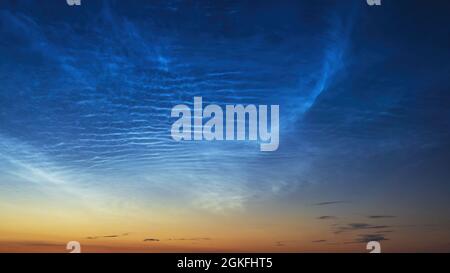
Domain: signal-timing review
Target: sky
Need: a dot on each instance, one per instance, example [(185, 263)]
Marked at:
[(86, 153)]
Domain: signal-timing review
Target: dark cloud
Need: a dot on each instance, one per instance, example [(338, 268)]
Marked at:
[(151, 240), (190, 239), (366, 226), (380, 216), (331, 203), (358, 226), (384, 231), (364, 238), (326, 217), (106, 236), (283, 243)]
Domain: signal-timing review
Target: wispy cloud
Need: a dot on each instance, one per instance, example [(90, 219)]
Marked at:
[(380, 216), (285, 242), (24, 163), (364, 238), (107, 236), (32, 243), (358, 226), (151, 240), (331, 203), (326, 217), (190, 239)]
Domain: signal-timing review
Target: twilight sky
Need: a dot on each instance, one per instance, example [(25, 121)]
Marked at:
[(85, 146)]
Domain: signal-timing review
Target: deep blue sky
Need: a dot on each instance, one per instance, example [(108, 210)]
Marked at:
[(364, 94)]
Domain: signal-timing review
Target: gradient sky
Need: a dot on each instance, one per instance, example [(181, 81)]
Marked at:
[(85, 146)]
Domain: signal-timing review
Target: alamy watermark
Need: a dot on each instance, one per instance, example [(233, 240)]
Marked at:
[(74, 246), (190, 125)]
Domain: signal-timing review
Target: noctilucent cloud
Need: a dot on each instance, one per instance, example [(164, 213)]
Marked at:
[(86, 151)]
